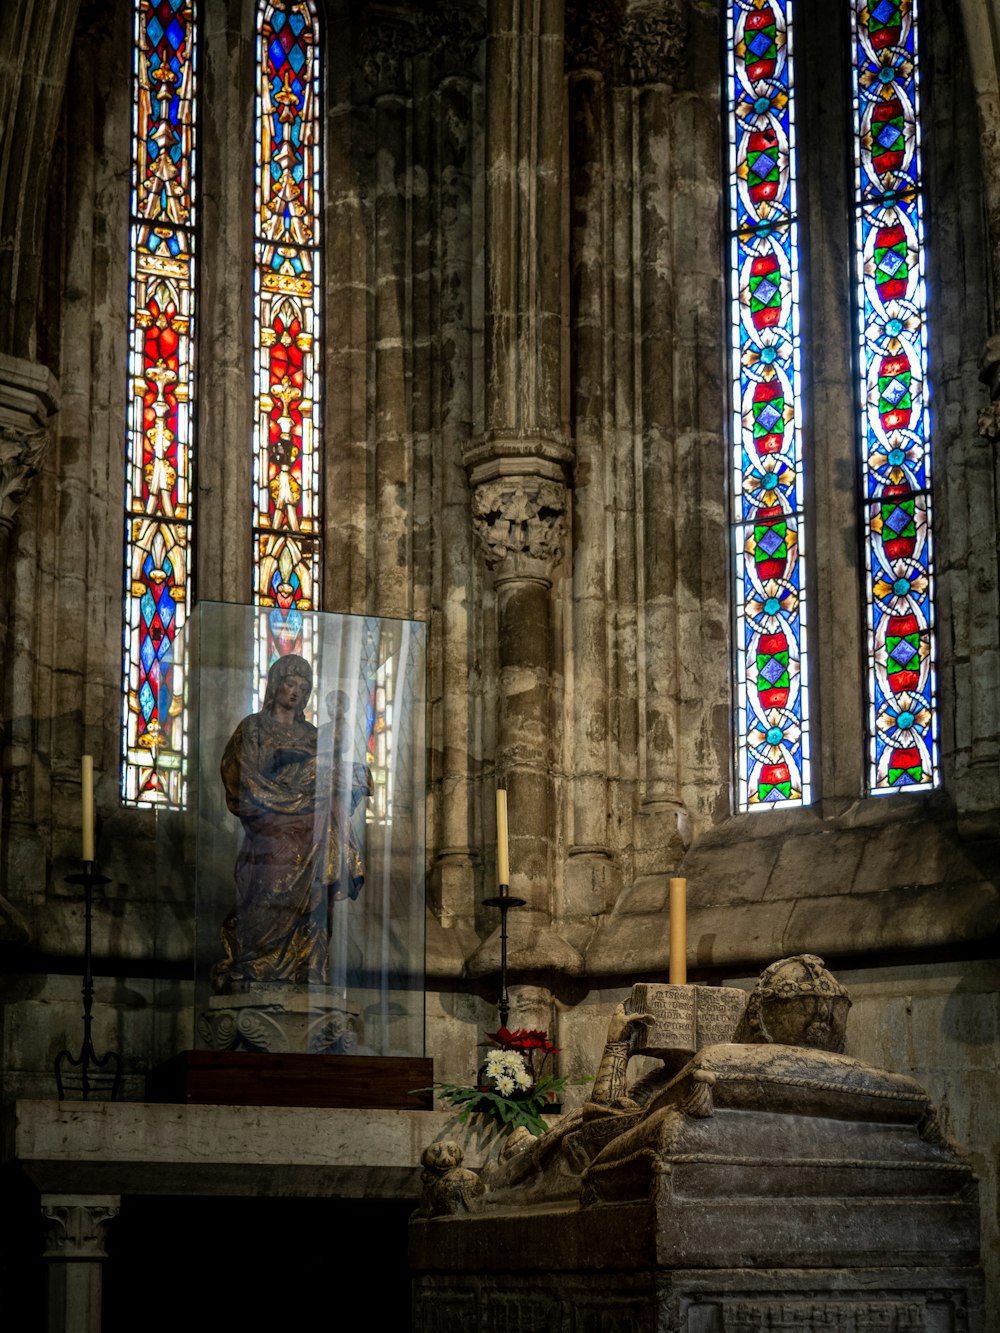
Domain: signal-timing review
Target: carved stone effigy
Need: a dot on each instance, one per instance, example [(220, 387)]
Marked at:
[(770, 1183)]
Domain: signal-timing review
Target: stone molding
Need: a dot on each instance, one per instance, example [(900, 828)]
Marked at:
[(650, 48), (76, 1227)]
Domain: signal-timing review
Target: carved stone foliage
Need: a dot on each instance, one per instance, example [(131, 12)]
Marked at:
[(385, 38), (21, 455), (591, 33), (651, 45), (521, 520), (77, 1229), (266, 1023), (451, 32)]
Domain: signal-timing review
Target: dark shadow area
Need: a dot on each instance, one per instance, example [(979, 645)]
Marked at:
[(179, 1263)]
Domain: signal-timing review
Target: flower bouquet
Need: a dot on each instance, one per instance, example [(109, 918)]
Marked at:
[(509, 1088)]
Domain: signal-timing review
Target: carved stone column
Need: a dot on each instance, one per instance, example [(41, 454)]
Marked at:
[(649, 57), (454, 33), (387, 41), (590, 33), (518, 470), (75, 1248)]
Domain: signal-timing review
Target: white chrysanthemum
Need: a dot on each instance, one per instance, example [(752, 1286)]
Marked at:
[(494, 1063), (505, 1085), (522, 1078)]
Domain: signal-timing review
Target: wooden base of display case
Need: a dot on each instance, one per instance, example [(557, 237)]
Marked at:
[(266, 1078)]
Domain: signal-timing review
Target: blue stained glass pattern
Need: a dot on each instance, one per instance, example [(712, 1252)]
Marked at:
[(772, 716), (161, 381), (287, 285), (895, 423)]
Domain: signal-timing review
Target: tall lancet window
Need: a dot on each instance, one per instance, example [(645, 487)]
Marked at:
[(772, 733), (892, 393), (286, 468), (159, 445)]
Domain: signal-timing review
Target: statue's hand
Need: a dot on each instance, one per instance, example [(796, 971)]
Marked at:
[(623, 1025)]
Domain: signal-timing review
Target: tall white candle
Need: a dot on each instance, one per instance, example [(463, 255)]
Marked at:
[(503, 854), (87, 798), (678, 932)]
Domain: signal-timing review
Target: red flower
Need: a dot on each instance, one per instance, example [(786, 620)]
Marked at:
[(522, 1039)]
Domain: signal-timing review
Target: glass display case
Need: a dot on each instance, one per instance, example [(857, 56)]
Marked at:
[(303, 831)]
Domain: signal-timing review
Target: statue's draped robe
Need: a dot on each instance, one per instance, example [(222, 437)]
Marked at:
[(280, 930)]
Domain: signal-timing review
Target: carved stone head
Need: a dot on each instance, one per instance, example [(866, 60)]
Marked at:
[(797, 1002)]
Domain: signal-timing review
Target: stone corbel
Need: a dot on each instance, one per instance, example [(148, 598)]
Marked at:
[(21, 454), (651, 45), (519, 503), (29, 396)]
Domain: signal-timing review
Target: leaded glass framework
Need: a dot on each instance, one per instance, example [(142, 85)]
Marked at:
[(159, 443), (772, 723), (892, 392), (287, 514)]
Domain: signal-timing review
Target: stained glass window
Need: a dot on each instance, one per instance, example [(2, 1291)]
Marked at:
[(160, 396), (772, 735), (286, 459), (892, 391)]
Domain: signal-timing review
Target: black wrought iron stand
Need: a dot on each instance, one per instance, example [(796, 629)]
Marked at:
[(504, 901), (88, 1056)]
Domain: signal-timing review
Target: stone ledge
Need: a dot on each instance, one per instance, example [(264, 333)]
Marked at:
[(145, 1148)]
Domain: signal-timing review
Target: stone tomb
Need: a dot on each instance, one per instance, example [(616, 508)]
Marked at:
[(766, 1185)]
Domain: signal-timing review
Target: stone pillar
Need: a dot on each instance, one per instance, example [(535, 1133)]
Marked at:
[(456, 31), (75, 1248), (386, 50), (226, 188), (589, 33), (650, 55), (518, 470)]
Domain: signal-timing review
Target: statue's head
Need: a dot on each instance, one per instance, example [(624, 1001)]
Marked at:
[(286, 670), (797, 1002)]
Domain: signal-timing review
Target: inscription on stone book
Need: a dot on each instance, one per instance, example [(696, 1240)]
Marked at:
[(685, 1018)]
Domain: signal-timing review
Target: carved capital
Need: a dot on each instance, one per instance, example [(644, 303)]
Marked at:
[(520, 522), (21, 453), (451, 33), (76, 1227), (592, 30), (651, 46), (386, 40)]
